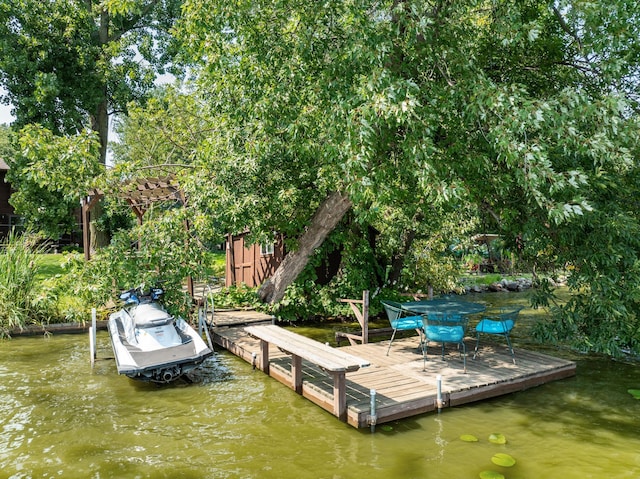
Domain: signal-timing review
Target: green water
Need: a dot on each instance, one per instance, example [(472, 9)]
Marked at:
[(60, 418)]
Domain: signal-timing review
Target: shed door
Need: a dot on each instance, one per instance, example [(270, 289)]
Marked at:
[(240, 263)]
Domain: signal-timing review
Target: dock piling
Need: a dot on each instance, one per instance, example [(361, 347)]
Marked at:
[(92, 337), (373, 418)]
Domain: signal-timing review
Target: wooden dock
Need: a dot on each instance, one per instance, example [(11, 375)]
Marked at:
[(404, 387)]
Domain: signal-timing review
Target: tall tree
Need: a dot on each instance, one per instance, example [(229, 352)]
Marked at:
[(67, 65), (521, 107)]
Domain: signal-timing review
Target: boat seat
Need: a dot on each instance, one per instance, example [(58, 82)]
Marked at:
[(151, 316), (147, 323)]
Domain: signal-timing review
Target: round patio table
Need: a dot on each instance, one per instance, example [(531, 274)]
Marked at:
[(444, 305)]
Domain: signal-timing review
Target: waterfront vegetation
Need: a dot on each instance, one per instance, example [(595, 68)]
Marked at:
[(38, 287), (53, 288), (378, 138), (55, 276), (20, 301)]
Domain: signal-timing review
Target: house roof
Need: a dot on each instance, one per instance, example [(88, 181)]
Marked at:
[(3, 165)]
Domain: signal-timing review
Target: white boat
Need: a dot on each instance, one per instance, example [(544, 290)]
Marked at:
[(151, 345)]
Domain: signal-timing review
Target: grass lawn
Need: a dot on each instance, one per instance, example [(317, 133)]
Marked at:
[(49, 265), (216, 263)]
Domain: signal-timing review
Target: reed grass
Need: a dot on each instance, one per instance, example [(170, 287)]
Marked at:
[(18, 284)]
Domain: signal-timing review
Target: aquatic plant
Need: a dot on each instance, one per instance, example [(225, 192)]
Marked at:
[(502, 459), (496, 438)]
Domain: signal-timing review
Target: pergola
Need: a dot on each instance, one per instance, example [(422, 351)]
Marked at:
[(140, 194)]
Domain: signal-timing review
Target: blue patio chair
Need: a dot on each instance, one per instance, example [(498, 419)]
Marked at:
[(445, 328), (498, 323), (401, 320)]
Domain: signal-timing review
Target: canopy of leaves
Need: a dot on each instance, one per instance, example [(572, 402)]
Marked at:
[(60, 60), (524, 109), (65, 66), (54, 171), (400, 103)]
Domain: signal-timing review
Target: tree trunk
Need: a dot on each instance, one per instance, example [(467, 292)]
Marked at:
[(324, 221), (100, 124), (97, 237), (100, 116), (397, 261)]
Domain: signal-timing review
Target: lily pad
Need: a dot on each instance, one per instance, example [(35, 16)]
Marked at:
[(491, 475), (502, 459), (496, 438), (634, 392), (469, 438)]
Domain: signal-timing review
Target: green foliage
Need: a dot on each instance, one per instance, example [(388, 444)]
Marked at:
[(65, 67), (22, 301), (48, 60), (61, 60), (434, 267), (159, 252), (314, 295), (236, 297), (164, 132), (6, 143), (432, 260), (50, 174), (523, 110), (600, 253)]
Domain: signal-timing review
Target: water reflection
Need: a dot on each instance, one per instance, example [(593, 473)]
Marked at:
[(59, 417)]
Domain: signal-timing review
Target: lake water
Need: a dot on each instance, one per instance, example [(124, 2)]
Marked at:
[(61, 418)]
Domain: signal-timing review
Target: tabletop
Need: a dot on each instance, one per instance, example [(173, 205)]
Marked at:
[(444, 305)]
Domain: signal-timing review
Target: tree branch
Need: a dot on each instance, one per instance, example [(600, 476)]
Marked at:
[(566, 28)]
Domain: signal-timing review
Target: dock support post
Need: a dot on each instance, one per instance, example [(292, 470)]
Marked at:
[(439, 395), (339, 395), (264, 356), (373, 418), (296, 373), (92, 337)]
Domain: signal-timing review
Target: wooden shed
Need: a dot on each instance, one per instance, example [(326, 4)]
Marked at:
[(251, 265)]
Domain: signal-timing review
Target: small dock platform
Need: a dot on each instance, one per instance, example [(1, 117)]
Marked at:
[(238, 318), (403, 386)]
